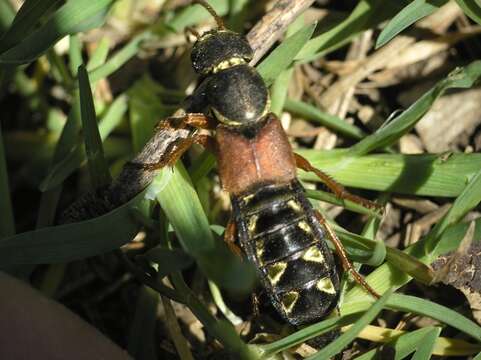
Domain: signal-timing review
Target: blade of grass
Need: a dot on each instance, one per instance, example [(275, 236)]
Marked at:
[(311, 113), (74, 241), (443, 346), (428, 248), (367, 14), (471, 8), (305, 334), (98, 168), (123, 55), (71, 18), (412, 304), (182, 206), (402, 346), (7, 14), (75, 54), (7, 223), (341, 342), (444, 175), (426, 345), (141, 340), (414, 11), (283, 55), (390, 133), (25, 21), (347, 204), (75, 157), (279, 91)]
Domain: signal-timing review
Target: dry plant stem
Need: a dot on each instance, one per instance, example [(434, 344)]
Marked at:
[(271, 27), (175, 332)]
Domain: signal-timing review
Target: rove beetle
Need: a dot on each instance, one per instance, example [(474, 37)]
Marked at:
[(274, 222), (272, 219)]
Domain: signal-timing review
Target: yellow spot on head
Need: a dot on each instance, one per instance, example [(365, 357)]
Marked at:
[(275, 271), (304, 226), (326, 285), (289, 300), (313, 254)]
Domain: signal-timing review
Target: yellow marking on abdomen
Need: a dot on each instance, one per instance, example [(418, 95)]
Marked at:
[(289, 300), (275, 271), (326, 285), (313, 254)]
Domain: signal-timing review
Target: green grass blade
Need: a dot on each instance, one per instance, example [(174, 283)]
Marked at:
[(168, 260), (335, 123), (428, 308), (416, 10), (279, 91), (365, 15), (182, 206), (340, 343), (7, 14), (471, 8), (427, 249), (75, 54), (74, 241), (305, 334), (99, 55), (7, 223), (468, 200), (347, 204), (75, 157), (407, 303), (402, 346), (444, 175), (72, 17), (119, 58), (410, 265), (387, 276), (141, 343), (98, 168), (426, 345), (25, 20), (283, 55), (390, 133)]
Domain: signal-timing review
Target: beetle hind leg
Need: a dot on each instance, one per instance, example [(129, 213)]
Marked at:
[(338, 190), (346, 263)]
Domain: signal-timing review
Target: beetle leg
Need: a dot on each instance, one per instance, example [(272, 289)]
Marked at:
[(334, 186), (180, 145), (229, 238), (196, 120), (341, 252), (207, 142)]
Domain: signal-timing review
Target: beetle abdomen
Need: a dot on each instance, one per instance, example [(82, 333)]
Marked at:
[(281, 235)]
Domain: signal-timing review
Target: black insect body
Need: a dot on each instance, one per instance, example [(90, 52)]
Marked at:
[(280, 233), (274, 222)]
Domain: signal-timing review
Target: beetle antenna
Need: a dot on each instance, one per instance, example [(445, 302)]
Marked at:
[(205, 4)]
